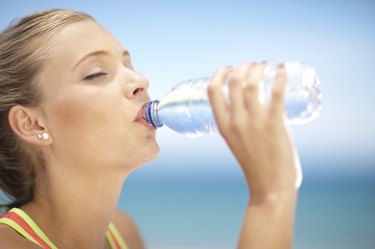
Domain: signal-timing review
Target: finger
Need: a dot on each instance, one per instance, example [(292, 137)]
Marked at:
[(217, 97), (278, 92), (252, 89), (238, 80)]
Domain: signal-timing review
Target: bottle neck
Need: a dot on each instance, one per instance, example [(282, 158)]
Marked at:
[(150, 113)]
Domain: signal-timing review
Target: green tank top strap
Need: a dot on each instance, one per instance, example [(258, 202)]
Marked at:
[(25, 226), (114, 238)]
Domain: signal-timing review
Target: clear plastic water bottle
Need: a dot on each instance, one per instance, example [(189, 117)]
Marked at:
[(187, 110)]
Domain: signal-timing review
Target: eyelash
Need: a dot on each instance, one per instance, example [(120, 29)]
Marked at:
[(95, 75)]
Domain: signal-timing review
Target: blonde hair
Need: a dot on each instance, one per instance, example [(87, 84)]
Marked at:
[(24, 48)]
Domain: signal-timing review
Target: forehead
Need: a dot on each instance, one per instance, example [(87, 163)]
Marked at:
[(69, 46), (77, 39)]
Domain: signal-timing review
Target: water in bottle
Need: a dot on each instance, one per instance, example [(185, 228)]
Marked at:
[(187, 110)]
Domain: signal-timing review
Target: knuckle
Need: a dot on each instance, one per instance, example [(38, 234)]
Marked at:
[(277, 94), (211, 88), (237, 124), (251, 88), (235, 78)]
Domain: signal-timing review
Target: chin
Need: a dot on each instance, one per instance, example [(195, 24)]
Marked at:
[(147, 156), (153, 155)]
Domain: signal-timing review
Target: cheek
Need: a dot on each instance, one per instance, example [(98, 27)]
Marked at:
[(77, 113), (98, 128), (84, 117)]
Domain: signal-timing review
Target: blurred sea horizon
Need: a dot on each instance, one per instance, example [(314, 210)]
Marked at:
[(203, 208)]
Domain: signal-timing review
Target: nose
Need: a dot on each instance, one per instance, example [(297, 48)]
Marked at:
[(136, 86)]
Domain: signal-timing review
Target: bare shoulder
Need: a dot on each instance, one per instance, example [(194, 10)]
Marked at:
[(11, 239), (128, 230)]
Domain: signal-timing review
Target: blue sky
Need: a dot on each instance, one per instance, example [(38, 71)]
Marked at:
[(172, 40)]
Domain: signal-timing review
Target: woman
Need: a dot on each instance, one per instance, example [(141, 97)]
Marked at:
[(71, 133)]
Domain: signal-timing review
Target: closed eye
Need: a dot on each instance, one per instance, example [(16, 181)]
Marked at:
[(95, 75)]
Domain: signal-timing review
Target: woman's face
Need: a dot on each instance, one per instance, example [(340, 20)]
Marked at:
[(92, 98)]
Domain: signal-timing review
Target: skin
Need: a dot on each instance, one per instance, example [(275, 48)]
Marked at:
[(96, 141), (257, 136)]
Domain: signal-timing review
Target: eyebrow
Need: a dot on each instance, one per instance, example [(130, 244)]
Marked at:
[(125, 53)]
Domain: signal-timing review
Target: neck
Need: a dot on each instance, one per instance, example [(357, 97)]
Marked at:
[(73, 209)]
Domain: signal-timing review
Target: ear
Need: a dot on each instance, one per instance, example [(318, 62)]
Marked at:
[(26, 123)]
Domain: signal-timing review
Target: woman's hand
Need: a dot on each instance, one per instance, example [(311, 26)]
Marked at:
[(257, 136), (255, 131)]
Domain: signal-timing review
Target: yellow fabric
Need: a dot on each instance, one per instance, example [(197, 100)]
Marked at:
[(34, 226), (117, 235), (18, 229), (43, 236), (111, 243)]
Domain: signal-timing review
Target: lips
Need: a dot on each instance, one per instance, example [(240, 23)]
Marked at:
[(139, 118)]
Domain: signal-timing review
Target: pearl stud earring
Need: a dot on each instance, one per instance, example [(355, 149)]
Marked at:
[(43, 136)]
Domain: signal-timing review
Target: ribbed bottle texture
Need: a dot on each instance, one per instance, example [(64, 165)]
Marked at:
[(187, 110)]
